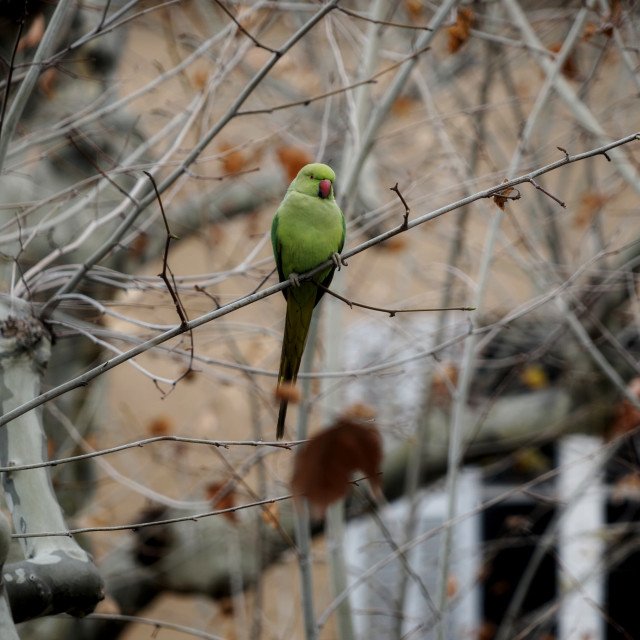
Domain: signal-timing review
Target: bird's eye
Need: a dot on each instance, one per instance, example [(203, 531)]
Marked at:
[(311, 176)]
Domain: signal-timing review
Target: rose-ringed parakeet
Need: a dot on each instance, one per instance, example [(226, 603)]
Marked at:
[(307, 230)]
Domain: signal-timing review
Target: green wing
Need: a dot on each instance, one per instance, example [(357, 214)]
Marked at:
[(326, 281), (277, 249)]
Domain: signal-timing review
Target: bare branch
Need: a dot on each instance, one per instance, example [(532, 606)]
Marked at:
[(405, 220), (143, 525), (254, 297), (391, 312), (224, 444), (386, 23), (241, 28)]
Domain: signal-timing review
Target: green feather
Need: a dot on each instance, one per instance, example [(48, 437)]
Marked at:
[(306, 231)]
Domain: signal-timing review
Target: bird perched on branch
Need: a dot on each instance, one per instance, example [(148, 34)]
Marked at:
[(307, 230)]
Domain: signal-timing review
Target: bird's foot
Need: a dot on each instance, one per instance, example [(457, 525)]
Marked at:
[(338, 261), (294, 279)]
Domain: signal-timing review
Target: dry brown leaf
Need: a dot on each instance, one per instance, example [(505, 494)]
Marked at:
[(293, 159), (608, 22), (47, 82), (160, 426), (459, 32), (396, 244), (487, 630), (139, 245), (627, 416), (31, 39), (590, 30), (500, 199), (233, 159), (91, 439), (570, 66), (217, 234), (402, 106), (361, 411), (323, 466), (288, 391), (108, 605), (220, 497), (414, 10), (271, 515), (627, 487), (452, 586), (443, 381), (226, 606), (612, 19), (199, 79), (590, 203)]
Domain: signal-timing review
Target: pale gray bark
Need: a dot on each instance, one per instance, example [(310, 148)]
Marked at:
[(57, 575), (7, 627)]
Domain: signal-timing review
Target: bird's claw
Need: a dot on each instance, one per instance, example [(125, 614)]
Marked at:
[(294, 279), (338, 261)]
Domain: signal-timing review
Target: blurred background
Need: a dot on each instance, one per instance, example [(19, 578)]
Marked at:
[(529, 400)]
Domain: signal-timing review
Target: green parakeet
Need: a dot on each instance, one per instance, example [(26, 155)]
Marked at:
[(306, 231)]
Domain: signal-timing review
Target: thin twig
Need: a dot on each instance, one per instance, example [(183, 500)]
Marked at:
[(224, 176), (405, 219), (537, 186), (173, 290), (105, 11), (386, 23), (402, 556), (95, 165), (143, 525), (165, 258), (246, 33), (306, 101), (391, 312), (138, 444)]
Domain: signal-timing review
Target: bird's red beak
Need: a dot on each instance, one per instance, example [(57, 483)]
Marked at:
[(324, 188)]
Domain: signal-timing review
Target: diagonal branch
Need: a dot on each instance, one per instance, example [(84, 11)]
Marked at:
[(22, 96), (259, 295), (241, 28), (205, 139)]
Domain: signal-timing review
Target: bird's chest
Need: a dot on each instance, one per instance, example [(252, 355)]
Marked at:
[(308, 238)]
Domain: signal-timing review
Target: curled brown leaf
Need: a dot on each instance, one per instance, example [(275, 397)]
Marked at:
[(459, 32), (500, 199), (292, 160), (324, 465)]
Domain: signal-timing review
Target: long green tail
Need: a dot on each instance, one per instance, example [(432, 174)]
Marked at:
[(296, 328)]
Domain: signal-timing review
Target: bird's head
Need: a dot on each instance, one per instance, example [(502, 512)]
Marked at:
[(315, 180)]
